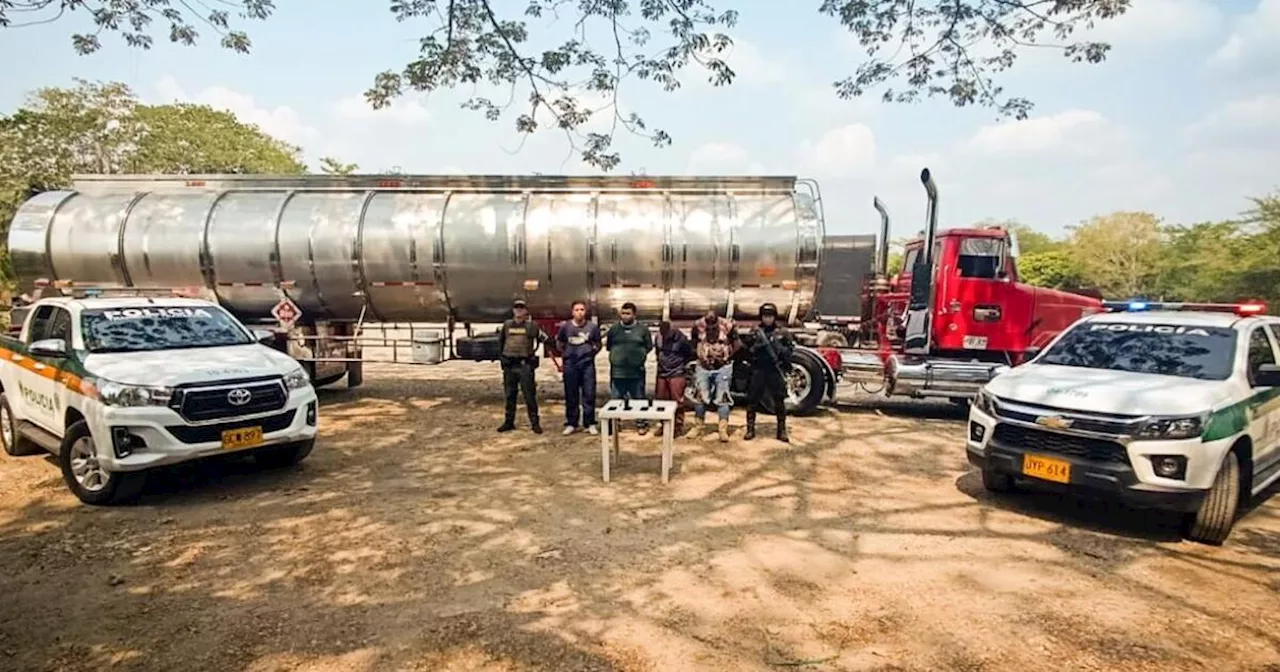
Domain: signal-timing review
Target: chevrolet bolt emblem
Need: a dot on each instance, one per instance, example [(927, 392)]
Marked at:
[(1054, 421), (241, 396)]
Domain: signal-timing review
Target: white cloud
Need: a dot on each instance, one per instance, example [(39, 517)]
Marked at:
[(404, 111), (722, 158), (844, 151), (1157, 23), (1248, 122), (1252, 40), (282, 122), (1066, 133)]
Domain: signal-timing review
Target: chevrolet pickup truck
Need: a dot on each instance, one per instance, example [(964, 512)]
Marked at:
[(114, 387)]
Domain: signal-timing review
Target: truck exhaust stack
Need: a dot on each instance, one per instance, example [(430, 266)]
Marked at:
[(930, 233), (882, 250)]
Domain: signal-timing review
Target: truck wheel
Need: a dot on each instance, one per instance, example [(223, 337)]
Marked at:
[(14, 443), (806, 383), (996, 481), (1212, 523), (355, 374), (276, 457), (328, 380), (87, 479)]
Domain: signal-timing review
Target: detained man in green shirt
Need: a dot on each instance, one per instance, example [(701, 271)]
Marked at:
[(629, 343)]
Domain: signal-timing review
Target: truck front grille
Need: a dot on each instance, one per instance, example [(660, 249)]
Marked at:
[(201, 404), (207, 433), (1082, 447)]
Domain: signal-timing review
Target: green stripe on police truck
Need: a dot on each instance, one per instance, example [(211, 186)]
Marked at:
[(1231, 420)]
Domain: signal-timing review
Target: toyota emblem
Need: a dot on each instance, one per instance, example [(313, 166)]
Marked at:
[(239, 396)]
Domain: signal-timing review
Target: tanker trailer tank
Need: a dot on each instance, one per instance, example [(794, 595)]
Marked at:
[(435, 248)]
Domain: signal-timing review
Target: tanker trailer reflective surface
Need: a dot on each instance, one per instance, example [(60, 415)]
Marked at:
[(431, 248)]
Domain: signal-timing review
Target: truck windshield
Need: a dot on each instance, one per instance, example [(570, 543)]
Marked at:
[(1206, 353), (159, 328)]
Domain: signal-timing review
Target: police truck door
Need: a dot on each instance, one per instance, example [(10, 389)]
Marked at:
[(1264, 406), (37, 380)]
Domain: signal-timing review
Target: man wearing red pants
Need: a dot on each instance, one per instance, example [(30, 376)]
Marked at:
[(675, 351)]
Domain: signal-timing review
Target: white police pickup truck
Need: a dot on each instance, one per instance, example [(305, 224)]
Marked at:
[(1165, 406), (116, 386)]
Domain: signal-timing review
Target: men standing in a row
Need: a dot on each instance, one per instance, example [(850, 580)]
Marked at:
[(629, 343), (771, 350), (579, 342), (675, 351), (715, 340), (518, 340)]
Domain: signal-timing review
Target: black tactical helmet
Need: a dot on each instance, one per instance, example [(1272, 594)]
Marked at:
[(768, 309)]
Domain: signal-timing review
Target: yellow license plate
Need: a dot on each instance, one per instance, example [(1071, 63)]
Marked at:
[(1039, 466), (245, 437)]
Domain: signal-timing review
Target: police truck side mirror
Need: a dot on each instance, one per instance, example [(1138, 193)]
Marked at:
[(49, 347), (1267, 375), (264, 336)]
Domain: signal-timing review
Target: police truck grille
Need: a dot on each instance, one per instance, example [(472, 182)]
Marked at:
[(1039, 440), (201, 404)]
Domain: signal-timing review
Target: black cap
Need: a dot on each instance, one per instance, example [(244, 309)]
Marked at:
[(768, 309), (519, 303)]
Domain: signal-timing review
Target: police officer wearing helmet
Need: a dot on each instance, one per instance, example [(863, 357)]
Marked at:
[(518, 340), (770, 353)]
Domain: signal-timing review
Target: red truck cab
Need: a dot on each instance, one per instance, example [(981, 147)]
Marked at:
[(980, 305)]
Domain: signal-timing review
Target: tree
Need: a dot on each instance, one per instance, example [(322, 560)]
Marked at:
[(1119, 253), (1050, 268), (914, 48), (185, 138), (332, 166)]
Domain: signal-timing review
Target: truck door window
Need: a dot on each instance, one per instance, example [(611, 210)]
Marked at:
[(39, 324), (1260, 351), (980, 257), (60, 325)]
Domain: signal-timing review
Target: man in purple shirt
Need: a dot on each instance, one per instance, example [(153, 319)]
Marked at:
[(579, 342)]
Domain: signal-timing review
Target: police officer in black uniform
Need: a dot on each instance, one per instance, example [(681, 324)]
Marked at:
[(771, 350), (518, 340)]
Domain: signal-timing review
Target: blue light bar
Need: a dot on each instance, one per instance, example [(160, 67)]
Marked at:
[(1136, 306)]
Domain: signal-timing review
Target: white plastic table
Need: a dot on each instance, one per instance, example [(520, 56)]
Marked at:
[(641, 409)]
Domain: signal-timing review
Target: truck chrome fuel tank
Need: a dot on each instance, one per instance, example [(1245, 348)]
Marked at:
[(424, 248)]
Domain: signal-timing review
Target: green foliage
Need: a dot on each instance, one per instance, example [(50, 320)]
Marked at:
[(185, 138), (1119, 253), (332, 166), (1050, 268), (577, 52)]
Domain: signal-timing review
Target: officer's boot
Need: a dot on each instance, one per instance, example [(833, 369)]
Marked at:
[(507, 425), (535, 424), (782, 429), (751, 426)]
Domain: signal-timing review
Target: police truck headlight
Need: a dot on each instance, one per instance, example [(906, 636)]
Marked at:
[(1180, 427), (297, 380), (119, 394)]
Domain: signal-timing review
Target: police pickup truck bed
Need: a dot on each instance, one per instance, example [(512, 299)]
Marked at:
[(116, 386), (1173, 407)]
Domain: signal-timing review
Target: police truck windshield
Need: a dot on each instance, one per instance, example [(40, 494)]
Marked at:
[(149, 328), (1206, 353)]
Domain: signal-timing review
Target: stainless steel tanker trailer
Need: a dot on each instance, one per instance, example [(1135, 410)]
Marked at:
[(345, 252)]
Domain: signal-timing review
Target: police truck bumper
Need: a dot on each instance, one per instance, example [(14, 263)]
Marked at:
[(140, 438), (1119, 473)]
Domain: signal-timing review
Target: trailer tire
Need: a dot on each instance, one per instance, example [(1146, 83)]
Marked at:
[(805, 385), (355, 374)]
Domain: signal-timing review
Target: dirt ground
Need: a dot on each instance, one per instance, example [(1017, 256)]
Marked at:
[(416, 538)]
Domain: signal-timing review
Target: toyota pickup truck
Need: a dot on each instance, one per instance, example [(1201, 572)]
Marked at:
[(115, 386)]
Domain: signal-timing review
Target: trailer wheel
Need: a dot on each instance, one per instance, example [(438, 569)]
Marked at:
[(328, 380), (806, 383), (355, 374)]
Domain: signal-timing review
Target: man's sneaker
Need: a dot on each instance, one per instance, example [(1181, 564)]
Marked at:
[(537, 429), (593, 430), (569, 429)]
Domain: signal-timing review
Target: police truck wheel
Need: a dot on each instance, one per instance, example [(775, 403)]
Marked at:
[(1212, 523), (14, 444), (87, 478), (806, 383)]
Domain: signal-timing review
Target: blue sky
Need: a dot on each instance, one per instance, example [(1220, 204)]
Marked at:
[(1180, 120)]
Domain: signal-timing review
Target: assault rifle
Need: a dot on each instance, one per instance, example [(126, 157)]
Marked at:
[(774, 357)]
